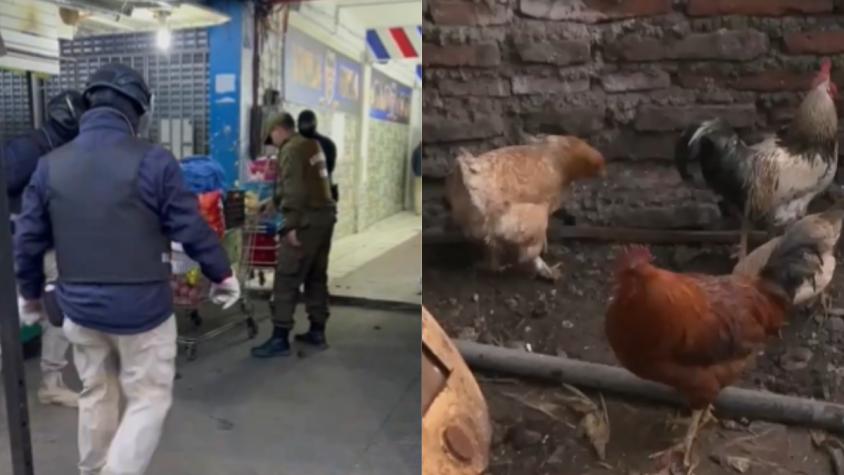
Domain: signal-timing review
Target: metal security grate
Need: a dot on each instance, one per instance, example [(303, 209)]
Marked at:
[(15, 111), (179, 78)]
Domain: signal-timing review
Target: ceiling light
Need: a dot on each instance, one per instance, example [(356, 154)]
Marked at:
[(163, 38)]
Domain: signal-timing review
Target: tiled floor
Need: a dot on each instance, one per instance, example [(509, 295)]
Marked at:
[(347, 410)]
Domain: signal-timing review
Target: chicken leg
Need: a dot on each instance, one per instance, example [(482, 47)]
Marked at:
[(545, 271), (746, 225), (700, 418)]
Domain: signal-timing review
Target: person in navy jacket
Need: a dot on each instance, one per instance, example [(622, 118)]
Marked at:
[(20, 156), (111, 203)]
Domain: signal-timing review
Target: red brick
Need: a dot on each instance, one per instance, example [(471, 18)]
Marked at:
[(561, 53), (593, 11), (635, 81), (757, 7), (525, 85), (769, 81), (456, 12), (446, 129), (577, 121), (495, 87), (735, 45), (478, 55), (634, 145), (656, 119), (773, 81), (818, 42)]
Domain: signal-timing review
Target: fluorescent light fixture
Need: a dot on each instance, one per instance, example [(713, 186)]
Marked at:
[(163, 38)]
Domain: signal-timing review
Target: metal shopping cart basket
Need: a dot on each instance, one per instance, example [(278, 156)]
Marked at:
[(191, 289)]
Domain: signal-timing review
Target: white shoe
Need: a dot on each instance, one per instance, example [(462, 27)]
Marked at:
[(53, 391)]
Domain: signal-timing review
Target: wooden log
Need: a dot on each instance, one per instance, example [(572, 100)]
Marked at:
[(615, 234), (732, 402)]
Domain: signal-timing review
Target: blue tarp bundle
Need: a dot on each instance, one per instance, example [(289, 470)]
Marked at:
[(203, 174)]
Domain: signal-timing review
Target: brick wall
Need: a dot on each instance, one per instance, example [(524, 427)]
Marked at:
[(625, 74)]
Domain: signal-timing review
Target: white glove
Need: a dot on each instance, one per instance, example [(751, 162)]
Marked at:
[(226, 293), (30, 311)]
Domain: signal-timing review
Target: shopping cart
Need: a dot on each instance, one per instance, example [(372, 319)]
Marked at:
[(191, 289), (261, 232)]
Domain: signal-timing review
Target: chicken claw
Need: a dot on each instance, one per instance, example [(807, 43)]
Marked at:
[(699, 419), (826, 304), (545, 271)]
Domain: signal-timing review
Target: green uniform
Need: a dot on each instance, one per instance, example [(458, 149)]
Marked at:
[(303, 193)]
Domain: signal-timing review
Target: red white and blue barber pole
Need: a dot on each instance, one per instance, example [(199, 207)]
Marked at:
[(399, 43), (419, 74)]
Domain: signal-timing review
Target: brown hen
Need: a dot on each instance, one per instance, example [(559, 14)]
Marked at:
[(503, 198)]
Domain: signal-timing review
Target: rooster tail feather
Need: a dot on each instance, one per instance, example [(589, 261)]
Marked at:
[(696, 144), (795, 260)]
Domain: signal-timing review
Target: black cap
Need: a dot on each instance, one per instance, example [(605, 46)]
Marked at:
[(124, 80)]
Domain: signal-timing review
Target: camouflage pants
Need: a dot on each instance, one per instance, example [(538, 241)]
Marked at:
[(306, 265)]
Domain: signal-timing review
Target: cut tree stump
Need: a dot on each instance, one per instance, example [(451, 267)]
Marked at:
[(732, 402)]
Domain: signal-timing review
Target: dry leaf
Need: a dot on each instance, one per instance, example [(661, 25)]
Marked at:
[(545, 407), (597, 431), (818, 437), (739, 464)]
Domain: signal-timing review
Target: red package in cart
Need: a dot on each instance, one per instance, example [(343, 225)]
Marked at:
[(211, 209)]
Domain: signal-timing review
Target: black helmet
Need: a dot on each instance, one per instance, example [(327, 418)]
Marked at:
[(307, 123), (65, 109), (124, 80)]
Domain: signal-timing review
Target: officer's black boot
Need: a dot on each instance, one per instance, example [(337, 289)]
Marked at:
[(314, 337), (277, 345)]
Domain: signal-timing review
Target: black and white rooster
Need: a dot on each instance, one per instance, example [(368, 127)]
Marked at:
[(774, 180)]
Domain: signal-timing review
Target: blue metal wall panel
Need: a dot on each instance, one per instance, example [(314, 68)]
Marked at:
[(225, 86)]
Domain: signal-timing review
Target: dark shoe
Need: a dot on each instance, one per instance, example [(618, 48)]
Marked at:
[(314, 337), (277, 345)]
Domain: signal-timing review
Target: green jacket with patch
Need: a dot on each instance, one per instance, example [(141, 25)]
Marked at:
[(303, 190)]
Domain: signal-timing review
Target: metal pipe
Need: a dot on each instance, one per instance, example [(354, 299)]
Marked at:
[(733, 402)]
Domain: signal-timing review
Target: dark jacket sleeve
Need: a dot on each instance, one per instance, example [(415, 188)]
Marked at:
[(33, 235), (330, 151), (20, 157), (162, 184)]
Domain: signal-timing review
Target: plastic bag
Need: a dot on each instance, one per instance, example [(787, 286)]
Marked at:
[(211, 209)]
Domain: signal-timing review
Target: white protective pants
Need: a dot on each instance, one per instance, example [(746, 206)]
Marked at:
[(143, 368)]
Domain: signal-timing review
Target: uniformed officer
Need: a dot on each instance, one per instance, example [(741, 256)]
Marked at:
[(20, 156), (111, 203), (304, 197)]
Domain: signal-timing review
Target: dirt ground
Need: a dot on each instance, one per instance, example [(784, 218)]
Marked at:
[(566, 318)]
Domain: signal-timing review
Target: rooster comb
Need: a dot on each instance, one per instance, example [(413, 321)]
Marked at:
[(633, 255), (826, 66)]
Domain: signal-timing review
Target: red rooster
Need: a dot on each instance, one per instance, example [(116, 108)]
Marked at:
[(774, 180), (696, 333)]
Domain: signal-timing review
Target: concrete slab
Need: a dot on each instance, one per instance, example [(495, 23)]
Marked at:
[(353, 408), (353, 252), (394, 276)]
